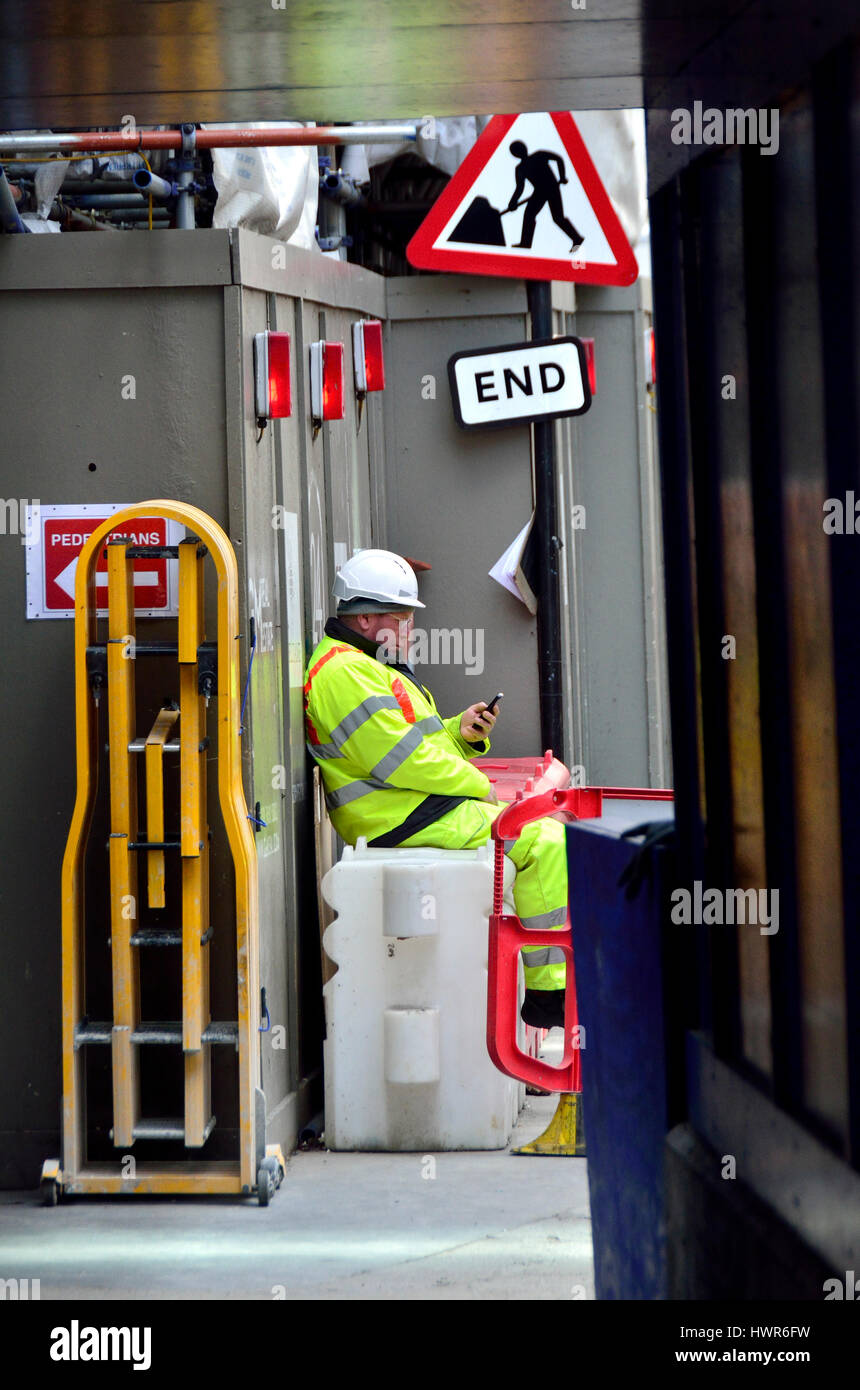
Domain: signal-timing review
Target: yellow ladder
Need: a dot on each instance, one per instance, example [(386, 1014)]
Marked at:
[(206, 670)]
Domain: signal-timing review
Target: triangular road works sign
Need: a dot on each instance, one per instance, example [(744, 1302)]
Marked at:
[(526, 202)]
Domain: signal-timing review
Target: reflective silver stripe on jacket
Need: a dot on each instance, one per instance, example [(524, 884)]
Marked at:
[(352, 791), (321, 751), (348, 725), (543, 955), (406, 746), (358, 716), (545, 920)]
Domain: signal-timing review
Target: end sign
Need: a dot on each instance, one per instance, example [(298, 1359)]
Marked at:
[(541, 379)]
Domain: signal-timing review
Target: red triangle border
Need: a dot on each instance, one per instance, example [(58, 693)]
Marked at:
[(421, 253)]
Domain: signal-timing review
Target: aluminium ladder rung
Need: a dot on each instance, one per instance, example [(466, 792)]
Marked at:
[(95, 652), (159, 1033), (161, 552), (156, 552), (87, 1032), (139, 746), (226, 1032), (165, 936), (96, 658), (172, 843), (167, 1129)]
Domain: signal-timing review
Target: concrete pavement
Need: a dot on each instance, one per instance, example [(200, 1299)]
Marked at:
[(341, 1226)]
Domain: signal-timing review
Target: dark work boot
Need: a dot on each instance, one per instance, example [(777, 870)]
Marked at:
[(543, 1008)]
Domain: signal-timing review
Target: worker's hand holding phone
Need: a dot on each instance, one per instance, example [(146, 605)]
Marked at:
[(478, 719)]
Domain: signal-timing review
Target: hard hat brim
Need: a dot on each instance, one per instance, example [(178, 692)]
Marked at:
[(373, 605)]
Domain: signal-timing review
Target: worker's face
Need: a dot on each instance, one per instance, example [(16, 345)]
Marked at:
[(393, 631)]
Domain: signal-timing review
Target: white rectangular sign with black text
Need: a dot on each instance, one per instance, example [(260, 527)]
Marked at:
[(518, 382)]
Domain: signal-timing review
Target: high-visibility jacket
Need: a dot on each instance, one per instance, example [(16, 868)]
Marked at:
[(382, 747)]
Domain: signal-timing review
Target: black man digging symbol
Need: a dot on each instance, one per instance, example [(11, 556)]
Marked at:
[(481, 223)]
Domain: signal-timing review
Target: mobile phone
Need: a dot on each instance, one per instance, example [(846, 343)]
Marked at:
[(491, 707)]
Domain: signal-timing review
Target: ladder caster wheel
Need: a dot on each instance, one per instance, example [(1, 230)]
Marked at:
[(265, 1186), (273, 1167), (49, 1190)]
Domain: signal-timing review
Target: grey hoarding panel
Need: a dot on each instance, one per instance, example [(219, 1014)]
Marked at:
[(572, 637), (374, 410), (265, 264), (316, 539), (263, 739), (563, 296), (82, 440), (334, 442), (108, 262), (346, 452), (457, 501), (453, 297), (291, 439), (614, 562), (185, 431)]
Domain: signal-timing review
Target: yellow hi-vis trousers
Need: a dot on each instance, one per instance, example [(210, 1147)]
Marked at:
[(540, 887)]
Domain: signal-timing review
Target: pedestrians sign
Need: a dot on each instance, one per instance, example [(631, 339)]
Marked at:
[(526, 202), (55, 537), (541, 379)]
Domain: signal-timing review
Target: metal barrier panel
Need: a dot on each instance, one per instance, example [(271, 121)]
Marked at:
[(117, 664)]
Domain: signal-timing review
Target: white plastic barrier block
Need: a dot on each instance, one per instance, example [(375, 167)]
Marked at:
[(406, 1061)]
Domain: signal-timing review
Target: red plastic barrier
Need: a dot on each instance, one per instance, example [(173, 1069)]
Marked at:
[(511, 776), (508, 935), (638, 793)]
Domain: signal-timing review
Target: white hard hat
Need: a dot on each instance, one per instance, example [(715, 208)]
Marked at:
[(379, 576)]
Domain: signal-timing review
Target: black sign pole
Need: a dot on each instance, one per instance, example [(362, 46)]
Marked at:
[(548, 545)]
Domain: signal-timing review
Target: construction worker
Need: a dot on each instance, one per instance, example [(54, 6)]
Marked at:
[(397, 773)]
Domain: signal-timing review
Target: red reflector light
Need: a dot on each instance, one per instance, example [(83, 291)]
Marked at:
[(326, 380), (272, 392), (280, 398), (332, 385), (367, 355), (588, 344), (650, 358), (374, 363)]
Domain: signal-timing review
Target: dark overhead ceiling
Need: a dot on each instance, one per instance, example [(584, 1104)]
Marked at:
[(84, 63)]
